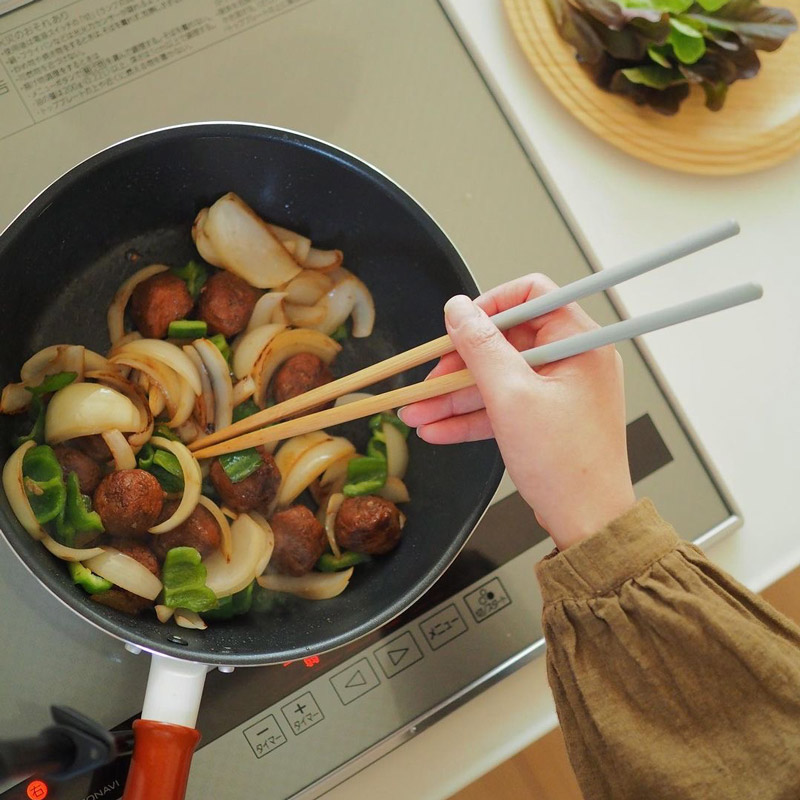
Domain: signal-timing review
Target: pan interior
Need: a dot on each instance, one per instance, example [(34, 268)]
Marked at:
[(62, 260)]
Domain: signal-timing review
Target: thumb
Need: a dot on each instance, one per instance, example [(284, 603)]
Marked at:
[(489, 356)]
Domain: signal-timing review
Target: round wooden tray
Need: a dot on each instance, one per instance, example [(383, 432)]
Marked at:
[(758, 127)]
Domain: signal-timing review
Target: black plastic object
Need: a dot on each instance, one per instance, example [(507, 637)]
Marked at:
[(63, 258), (73, 746)]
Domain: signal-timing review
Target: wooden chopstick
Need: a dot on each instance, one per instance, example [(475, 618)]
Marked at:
[(436, 348), (545, 354)]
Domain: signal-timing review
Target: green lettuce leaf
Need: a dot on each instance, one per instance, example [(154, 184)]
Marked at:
[(757, 27)]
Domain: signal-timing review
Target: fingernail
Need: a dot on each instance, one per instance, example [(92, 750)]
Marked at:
[(459, 309), (400, 412)]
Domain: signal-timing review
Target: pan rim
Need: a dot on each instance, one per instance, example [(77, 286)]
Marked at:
[(226, 129)]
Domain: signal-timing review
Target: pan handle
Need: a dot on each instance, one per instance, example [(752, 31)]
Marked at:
[(165, 736)]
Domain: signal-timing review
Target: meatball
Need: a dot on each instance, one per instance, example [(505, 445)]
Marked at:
[(93, 446), (226, 303), (200, 531), (299, 540), (158, 301), (368, 524), (121, 599), (139, 552), (255, 491), (72, 460), (129, 502), (299, 374)]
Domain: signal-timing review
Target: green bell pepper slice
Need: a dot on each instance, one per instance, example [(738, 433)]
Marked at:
[(44, 483), (184, 579), (329, 563), (86, 579), (376, 423), (187, 329), (164, 466), (36, 417), (241, 464), (194, 274), (245, 409), (233, 605), (52, 383), (77, 516), (365, 475), (221, 343)]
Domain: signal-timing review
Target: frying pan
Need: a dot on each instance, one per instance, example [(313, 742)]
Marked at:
[(61, 261)]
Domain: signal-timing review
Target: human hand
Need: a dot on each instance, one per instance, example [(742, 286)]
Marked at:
[(560, 428)]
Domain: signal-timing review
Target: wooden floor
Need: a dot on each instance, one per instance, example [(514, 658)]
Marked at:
[(542, 771)]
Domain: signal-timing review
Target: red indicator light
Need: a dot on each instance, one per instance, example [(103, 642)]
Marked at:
[(311, 661), (286, 663), (37, 790)]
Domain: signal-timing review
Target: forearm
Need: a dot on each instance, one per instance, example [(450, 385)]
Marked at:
[(671, 680)]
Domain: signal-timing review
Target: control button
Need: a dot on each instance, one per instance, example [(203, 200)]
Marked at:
[(399, 654), (443, 626), (355, 681), (302, 713), (264, 736), (487, 599)]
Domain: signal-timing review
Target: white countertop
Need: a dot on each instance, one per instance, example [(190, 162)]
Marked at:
[(736, 375)]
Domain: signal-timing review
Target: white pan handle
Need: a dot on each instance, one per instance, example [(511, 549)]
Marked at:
[(174, 689)]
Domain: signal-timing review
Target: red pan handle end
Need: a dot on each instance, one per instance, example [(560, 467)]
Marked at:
[(161, 758)]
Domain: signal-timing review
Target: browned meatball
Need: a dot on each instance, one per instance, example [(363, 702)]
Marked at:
[(139, 552), (122, 600), (158, 301), (255, 491), (93, 446), (129, 502), (368, 524), (200, 531), (87, 470), (299, 374), (299, 540), (226, 303)]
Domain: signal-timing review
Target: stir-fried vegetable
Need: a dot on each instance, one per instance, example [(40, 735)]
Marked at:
[(77, 515), (233, 605), (245, 409), (86, 579), (330, 563), (184, 579), (164, 466), (187, 329), (52, 383), (221, 343), (36, 417), (44, 483), (195, 275), (241, 464), (365, 475)]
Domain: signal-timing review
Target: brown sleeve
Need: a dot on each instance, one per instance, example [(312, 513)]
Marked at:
[(671, 680)]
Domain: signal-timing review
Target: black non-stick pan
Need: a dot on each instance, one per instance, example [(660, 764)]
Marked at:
[(64, 256)]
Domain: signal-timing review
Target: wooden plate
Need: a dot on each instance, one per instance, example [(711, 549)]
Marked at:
[(758, 127)]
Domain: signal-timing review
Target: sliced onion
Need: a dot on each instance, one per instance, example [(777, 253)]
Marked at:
[(270, 542), (301, 244), (305, 316), (234, 237), (363, 311), (15, 399), (225, 541), (293, 448), (156, 401), (192, 481), (217, 368), (353, 397), (229, 512), (53, 359), (264, 310), (322, 259), (284, 346), (120, 449), (310, 465), (125, 572), (250, 345), (313, 586), (396, 451), (189, 619), (335, 476), (188, 431), (334, 504), (225, 577), (204, 245), (308, 287), (83, 409), (185, 407), (338, 305), (395, 490), (116, 311), (167, 353), (205, 402), (70, 553), (159, 375), (164, 613), (110, 377), (14, 485), (243, 389)]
